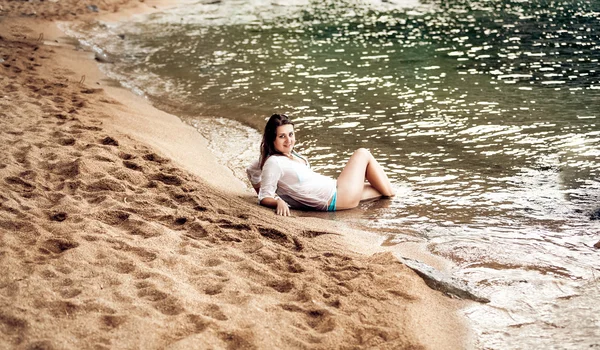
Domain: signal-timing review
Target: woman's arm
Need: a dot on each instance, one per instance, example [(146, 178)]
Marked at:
[(279, 204), (267, 196), (254, 175)]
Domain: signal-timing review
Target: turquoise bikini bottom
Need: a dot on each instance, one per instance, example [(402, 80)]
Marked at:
[(331, 206)]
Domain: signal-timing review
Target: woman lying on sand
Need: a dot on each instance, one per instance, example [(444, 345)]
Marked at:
[(283, 178)]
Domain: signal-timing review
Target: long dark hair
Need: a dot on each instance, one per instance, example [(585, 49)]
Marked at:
[(267, 146)]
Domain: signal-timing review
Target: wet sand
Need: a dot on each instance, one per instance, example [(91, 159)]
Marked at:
[(118, 229)]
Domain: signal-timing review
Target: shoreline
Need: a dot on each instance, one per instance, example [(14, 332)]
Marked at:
[(119, 112), (168, 125), (142, 121)]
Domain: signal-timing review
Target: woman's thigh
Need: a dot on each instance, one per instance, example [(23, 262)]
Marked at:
[(351, 182)]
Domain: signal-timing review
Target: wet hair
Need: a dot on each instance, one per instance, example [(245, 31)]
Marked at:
[(267, 146)]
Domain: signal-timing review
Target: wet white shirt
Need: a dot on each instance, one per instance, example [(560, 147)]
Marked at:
[(293, 181)]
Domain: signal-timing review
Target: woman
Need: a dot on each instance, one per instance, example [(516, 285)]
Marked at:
[(283, 178)]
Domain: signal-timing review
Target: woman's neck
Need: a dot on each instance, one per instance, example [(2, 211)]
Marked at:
[(289, 154)]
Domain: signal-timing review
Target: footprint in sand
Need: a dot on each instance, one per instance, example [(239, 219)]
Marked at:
[(212, 262), (64, 269), (198, 323), (142, 228), (320, 320), (57, 245), (109, 141), (22, 156), (19, 184), (48, 274), (114, 217), (153, 157), (126, 156), (40, 345), (109, 322), (59, 216), (293, 265), (161, 301), (124, 267), (313, 234), (68, 169), (13, 327), (214, 289), (25, 230), (144, 254), (29, 175), (132, 165), (282, 286), (170, 306), (105, 184), (225, 237), (281, 238), (151, 294), (171, 180), (69, 293), (196, 231), (214, 311), (228, 225), (174, 222), (62, 308), (69, 141), (238, 340), (189, 325), (130, 223), (85, 127), (274, 235)]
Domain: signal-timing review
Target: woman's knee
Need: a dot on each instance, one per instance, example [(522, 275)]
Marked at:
[(362, 152)]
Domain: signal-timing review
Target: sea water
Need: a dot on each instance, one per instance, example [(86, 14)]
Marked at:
[(485, 114)]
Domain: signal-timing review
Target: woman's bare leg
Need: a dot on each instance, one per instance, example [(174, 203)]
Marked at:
[(369, 192), (351, 182)]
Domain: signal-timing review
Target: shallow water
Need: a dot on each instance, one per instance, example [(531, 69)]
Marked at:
[(486, 115)]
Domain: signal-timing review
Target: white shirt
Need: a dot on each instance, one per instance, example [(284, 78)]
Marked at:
[(293, 181)]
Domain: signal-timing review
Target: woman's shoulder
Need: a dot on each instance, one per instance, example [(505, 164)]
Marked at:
[(272, 160)]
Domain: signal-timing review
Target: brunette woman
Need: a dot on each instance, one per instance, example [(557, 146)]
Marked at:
[(283, 178)]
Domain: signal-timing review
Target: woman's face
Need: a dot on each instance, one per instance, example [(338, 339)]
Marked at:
[(285, 138)]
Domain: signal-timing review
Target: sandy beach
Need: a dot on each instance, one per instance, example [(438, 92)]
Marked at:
[(119, 229)]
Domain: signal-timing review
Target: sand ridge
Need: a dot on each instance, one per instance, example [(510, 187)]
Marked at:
[(107, 243)]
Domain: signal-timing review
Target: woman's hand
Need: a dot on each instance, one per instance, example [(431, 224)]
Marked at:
[(282, 208)]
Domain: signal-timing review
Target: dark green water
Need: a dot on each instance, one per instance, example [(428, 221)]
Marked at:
[(486, 115)]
